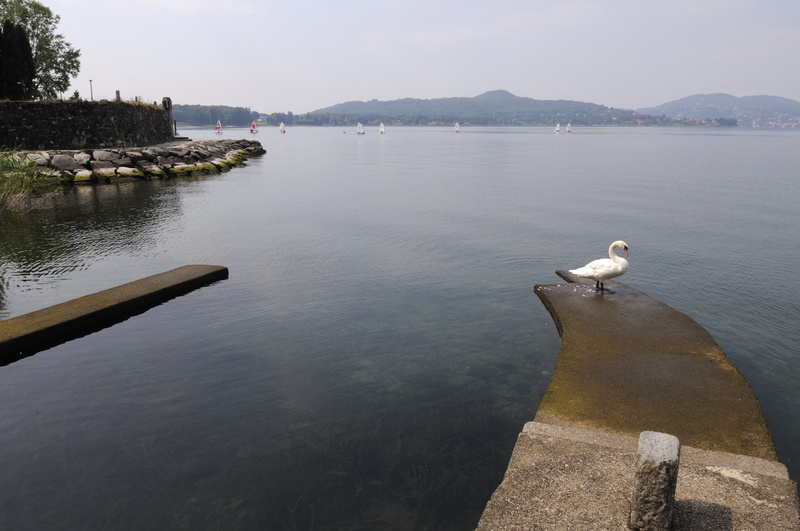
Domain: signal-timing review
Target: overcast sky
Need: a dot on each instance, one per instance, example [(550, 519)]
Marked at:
[(302, 55)]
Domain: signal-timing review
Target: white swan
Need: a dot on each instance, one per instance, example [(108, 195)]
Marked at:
[(605, 268)]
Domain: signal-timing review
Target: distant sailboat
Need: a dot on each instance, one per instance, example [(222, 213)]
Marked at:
[(569, 127), (558, 129), (457, 128), (382, 129), (282, 127), (253, 127), (359, 129), (218, 128)]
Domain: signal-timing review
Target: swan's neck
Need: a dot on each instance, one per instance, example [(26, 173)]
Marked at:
[(615, 257)]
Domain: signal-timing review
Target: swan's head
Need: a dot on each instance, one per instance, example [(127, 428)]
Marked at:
[(621, 244)]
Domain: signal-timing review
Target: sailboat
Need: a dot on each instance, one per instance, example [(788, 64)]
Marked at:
[(457, 128), (360, 129), (558, 129), (282, 128), (253, 127), (382, 129), (218, 128), (569, 127)]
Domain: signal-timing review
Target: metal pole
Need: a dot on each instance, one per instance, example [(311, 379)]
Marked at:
[(91, 92)]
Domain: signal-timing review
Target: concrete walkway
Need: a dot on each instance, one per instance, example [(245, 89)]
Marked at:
[(25, 334), (629, 363)]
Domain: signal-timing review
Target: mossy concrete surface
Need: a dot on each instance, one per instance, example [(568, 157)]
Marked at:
[(630, 363), (21, 335)]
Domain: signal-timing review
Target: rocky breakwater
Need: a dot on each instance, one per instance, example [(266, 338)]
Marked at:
[(155, 162)]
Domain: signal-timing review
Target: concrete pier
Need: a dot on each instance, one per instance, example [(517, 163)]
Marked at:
[(22, 335), (629, 364)]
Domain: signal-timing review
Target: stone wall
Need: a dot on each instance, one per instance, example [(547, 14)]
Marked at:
[(30, 125)]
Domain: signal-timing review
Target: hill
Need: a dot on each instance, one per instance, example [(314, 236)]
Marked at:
[(497, 107), (749, 111)]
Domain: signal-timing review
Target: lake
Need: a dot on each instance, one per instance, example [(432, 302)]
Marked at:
[(378, 345)]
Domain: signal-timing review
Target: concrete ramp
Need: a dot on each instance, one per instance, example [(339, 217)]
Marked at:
[(629, 363), (26, 334)]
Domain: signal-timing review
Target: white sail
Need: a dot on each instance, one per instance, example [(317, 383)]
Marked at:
[(569, 127), (457, 128), (282, 127), (218, 128), (359, 129), (382, 129), (253, 127), (558, 128)]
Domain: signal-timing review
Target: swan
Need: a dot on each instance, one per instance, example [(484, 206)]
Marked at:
[(605, 268)]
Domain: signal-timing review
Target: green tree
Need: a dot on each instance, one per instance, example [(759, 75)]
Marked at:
[(16, 63), (55, 60)]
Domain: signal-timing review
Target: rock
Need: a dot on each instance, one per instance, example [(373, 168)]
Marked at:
[(41, 158), (82, 158), (84, 176), (106, 174), (136, 156), (65, 163), (101, 154), (101, 164), (178, 152), (150, 169), (130, 172)]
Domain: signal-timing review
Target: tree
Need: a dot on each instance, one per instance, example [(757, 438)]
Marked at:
[(17, 70), (55, 60)]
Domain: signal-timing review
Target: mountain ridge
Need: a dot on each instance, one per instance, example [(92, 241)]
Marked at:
[(502, 107), (753, 111)]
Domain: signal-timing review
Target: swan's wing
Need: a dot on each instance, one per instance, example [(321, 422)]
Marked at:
[(597, 269)]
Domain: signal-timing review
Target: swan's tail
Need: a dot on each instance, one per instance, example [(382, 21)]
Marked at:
[(583, 272)]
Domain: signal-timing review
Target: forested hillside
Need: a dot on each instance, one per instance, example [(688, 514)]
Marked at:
[(201, 115), (497, 107), (755, 111)]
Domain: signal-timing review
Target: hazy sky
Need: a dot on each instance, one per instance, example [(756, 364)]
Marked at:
[(302, 55)]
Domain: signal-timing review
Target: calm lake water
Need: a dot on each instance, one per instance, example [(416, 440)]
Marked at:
[(378, 345)]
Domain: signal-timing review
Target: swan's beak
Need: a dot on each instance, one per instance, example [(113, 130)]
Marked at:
[(625, 249)]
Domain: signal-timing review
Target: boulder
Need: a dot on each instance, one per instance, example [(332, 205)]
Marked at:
[(130, 172), (84, 176), (41, 158), (101, 164), (82, 158), (101, 154), (136, 156), (65, 163), (105, 174)]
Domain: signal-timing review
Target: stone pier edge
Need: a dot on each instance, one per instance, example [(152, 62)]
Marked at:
[(26, 334)]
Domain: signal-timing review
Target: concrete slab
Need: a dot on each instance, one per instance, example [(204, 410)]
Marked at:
[(25, 334), (566, 478), (630, 363)]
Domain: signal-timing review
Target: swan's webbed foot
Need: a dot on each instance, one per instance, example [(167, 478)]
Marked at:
[(601, 288)]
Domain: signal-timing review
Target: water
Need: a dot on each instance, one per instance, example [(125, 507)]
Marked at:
[(378, 345)]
